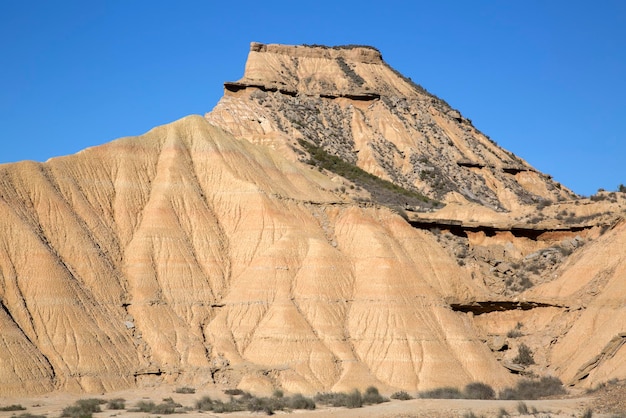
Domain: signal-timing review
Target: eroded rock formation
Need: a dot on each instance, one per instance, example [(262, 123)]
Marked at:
[(186, 254), (211, 251), (349, 102)]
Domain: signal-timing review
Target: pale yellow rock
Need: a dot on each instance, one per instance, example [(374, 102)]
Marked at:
[(186, 252), (593, 281), (206, 252)]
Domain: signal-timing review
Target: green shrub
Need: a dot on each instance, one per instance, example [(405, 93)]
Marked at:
[(241, 403), (534, 389), (402, 395), (479, 390), (234, 392), (442, 393), (267, 405), (349, 72), (204, 404), (255, 404), (354, 400), (164, 408), (372, 396), (337, 399), (524, 355), (514, 333), (117, 403), (298, 401), (224, 407), (144, 406), (334, 399), (28, 415), (382, 191)]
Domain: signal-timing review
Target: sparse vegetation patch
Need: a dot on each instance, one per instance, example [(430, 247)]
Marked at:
[(83, 408), (28, 415), (168, 406), (244, 401), (185, 390), (117, 403), (382, 191), (528, 389), (353, 399), (442, 393), (524, 355), (478, 390), (515, 332), (402, 396), (12, 408)]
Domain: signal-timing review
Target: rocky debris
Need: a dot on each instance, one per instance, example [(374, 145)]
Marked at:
[(498, 343), (608, 352), (515, 368)]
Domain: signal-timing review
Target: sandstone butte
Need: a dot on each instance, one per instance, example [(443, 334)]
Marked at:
[(226, 250)]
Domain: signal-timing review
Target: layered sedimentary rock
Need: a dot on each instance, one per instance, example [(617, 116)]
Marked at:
[(211, 251), (188, 255), (349, 102)]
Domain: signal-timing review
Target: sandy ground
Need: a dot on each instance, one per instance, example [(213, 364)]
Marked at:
[(53, 404)]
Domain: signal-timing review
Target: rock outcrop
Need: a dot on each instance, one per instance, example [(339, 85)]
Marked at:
[(349, 102), (211, 251)]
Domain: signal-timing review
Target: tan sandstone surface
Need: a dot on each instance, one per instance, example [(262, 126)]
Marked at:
[(212, 252), (188, 255)]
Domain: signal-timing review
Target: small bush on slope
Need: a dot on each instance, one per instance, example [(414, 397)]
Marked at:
[(402, 395), (524, 356), (251, 403)]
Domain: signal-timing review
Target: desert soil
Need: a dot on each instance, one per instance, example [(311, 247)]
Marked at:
[(53, 404)]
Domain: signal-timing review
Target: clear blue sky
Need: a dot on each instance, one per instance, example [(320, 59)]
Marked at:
[(544, 79)]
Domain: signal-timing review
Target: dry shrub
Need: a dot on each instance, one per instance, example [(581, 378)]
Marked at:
[(402, 395), (478, 390), (528, 389), (442, 393)]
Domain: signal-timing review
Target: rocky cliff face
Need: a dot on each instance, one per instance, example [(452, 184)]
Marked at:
[(188, 255), (211, 251), (349, 102)]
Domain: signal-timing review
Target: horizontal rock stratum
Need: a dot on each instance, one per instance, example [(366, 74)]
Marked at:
[(349, 102), (211, 251)]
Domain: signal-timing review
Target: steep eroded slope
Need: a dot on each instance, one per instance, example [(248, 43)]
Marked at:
[(186, 255)]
